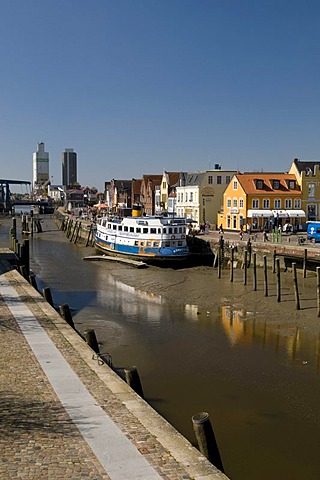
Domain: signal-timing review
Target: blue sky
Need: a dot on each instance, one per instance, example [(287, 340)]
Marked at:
[(138, 86)]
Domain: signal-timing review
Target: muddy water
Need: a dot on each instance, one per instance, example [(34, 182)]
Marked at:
[(259, 382)]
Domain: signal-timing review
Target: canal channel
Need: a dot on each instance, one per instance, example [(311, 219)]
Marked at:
[(258, 381)]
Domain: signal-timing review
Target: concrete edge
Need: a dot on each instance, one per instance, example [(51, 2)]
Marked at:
[(196, 465)]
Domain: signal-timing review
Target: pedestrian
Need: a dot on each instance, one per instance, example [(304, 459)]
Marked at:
[(221, 229), (265, 236), (241, 234), (248, 228)]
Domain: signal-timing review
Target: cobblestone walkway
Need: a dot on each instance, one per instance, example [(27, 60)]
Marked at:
[(38, 438)]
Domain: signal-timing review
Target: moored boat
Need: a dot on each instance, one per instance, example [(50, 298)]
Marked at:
[(153, 240)]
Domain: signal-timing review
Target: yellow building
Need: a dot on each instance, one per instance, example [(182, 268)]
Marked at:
[(261, 200), (308, 177)]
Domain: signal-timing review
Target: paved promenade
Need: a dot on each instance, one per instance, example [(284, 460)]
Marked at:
[(65, 416)]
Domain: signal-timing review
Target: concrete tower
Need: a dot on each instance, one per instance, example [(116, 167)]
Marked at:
[(69, 167), (40, 167)]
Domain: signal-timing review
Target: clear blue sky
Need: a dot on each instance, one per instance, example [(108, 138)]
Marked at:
[(138, 86)]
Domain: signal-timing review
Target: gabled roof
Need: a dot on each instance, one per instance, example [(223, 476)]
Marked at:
[(194, 178), (248, 182), (306, 165), (173, 178), (152, 180)]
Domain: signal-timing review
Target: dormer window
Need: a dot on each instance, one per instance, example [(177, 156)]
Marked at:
[(291, 184), (259, 184), (276, 184)]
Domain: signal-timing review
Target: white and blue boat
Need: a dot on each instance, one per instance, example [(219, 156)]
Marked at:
[(150, 239)]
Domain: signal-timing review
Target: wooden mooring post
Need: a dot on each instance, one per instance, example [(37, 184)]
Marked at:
[(278, 280), (318, 290), (245, 267), (91, 340), (255, 272), (66, 314), (295, 284), (265, 268), (48, 296), (232, 264), (305, 258), (133, 379), (206, 439)]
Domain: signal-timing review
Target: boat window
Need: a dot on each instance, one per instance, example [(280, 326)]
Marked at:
[(149, 244), (136, 242), (180, 244), (138, 230), (164, 230), (145, 230), (114, 227), (180, 230), (153, 230), (142, 244), (159, 230), (109, 225), (120, 228), (170, 230), (167, 244), (175, 230), (125, 229), (156, 244), (132, 229)]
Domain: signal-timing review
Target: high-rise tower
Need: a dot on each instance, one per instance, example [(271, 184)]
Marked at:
[(40, 167), (69, 167)]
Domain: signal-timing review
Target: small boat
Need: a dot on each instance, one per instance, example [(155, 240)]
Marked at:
[(153, 240)]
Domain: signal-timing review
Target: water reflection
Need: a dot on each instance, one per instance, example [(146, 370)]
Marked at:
[(300, 348)]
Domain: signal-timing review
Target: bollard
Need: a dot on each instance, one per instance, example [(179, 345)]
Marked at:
[(305, 258), (278, 280), (48, 296), (24, 272), (245, 267), (232, 264), (91, 340), (265, 275), (66, 314), (295, 284), (25, 256), (133, 379), (255, 272), (14, 227), (318, 290), (274, 260), (32, 281), (206, 439)]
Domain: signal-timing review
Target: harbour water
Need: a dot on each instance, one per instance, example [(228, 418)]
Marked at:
[(259, 384)]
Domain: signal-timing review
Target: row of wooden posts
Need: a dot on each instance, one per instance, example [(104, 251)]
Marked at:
[(73, 229), (201, 421), (276, 269), (202, 426)]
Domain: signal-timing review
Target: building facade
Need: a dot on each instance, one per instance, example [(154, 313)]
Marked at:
[(69, 167), (308, 177), (40, 168), (263, 201)]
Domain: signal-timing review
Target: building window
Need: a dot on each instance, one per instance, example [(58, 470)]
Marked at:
[(164, 184), (277, 203), (297, 203), (266, 203), (210, 179), (191, 196), (255, 203), (288, 203), (228, 179), (311, 190), (228, 202), (259, 184), (292, 184), (241, 203), (181, 197), (235, 185), (235, 202), (228, 221), (219, 179), (276, 184)]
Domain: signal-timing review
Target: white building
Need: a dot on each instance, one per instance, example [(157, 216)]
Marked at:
[(40, 168)]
